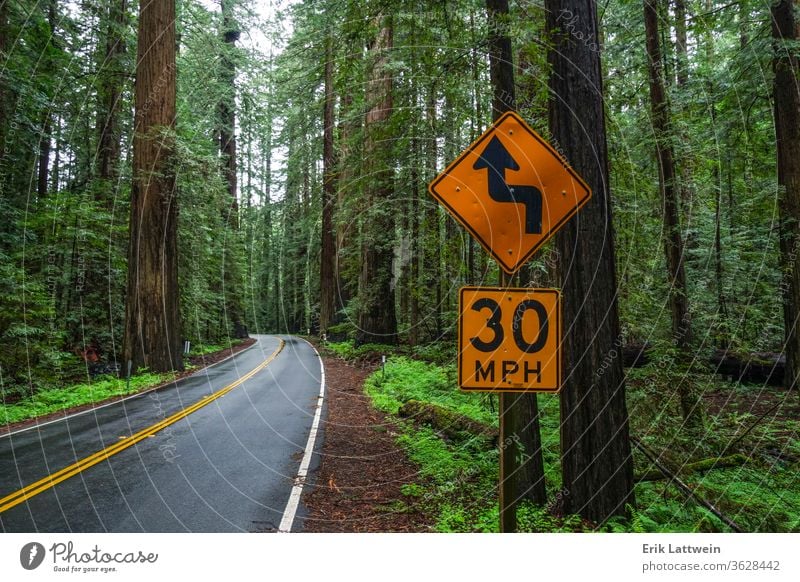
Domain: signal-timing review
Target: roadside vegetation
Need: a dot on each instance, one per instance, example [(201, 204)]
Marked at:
[(457, 479), (44, 399)]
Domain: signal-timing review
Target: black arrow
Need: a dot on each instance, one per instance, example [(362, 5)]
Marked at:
[(497, 160)]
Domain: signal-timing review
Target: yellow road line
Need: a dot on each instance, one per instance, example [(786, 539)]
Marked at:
[(54, 479)]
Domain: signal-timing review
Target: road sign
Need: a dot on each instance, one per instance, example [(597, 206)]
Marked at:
[(509, 340), (511, 190)]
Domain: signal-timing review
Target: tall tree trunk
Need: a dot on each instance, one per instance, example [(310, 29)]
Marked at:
[(673, 241), (152, 314), (44, 156), (45, 139), (110, 92), (682, 76), (722, 308), (346, 225), (432, 252), (227, 108), (596, 460), (327, 275), (786, 64), (682, 67), (377, 321), (673, 244), (4, 93), (227, 147), (55, 173), (524, 413), (415, 283)]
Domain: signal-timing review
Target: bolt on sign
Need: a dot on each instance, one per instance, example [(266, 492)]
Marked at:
[(511, 190), (509, 340)]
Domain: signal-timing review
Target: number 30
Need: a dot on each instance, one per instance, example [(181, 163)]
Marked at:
[(495, 324)]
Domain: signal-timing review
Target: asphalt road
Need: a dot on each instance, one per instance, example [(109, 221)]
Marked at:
[(226, 466)]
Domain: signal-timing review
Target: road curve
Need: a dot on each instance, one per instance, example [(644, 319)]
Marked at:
[(163, 462)]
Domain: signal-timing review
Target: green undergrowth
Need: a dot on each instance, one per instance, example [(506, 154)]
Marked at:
[(457, 479), (49, 400), (370, 352), (205, 349)]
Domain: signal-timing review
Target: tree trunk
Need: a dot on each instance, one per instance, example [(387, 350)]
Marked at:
[(377, 321), (110, 92), (227, 146), (346, 225), (673, 241), (4, 93), (596, 461), (327, 275), (722, 308), (45, 139), (432, 251), (44, 155), (673, 244), (682, 67), (227, 108), (415, 283), (152, 314), (524, 420), (786, 64)]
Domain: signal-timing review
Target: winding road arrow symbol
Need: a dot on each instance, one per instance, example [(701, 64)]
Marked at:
[(496, 159)]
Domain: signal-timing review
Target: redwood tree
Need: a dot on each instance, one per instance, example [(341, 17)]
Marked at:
[(596, 461), (786, 63), (152, 315), (110, 91), (327, 276), (377, 320)]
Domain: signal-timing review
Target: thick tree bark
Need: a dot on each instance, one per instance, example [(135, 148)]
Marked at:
[(501, 64), (327, 275), (524, 414), (152, 314), (377, 321), (786, 63), (596, 461)]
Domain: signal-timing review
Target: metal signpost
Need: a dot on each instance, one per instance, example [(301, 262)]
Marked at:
[(512, 191)]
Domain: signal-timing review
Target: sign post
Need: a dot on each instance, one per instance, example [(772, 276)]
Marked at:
[(512, 191), (507, 494)]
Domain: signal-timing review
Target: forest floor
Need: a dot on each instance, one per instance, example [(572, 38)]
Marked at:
[(57, 403), (358, 487), (385, 471)]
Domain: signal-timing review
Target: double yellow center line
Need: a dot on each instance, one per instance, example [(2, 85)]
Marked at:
[(54, 479)]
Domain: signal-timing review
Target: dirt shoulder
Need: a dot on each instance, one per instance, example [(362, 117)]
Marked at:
[(362, 468)]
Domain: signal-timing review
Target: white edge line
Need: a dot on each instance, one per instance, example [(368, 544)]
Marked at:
[(297, 489), (129, 397)]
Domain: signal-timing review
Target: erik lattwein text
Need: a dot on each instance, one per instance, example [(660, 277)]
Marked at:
[(684, 549)]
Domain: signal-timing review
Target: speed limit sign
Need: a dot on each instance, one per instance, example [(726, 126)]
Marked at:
[(509, 339)]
